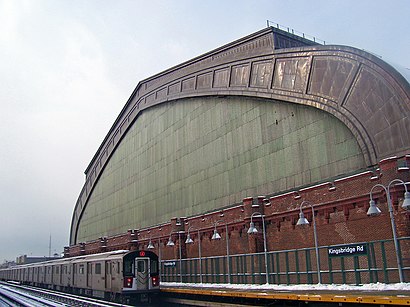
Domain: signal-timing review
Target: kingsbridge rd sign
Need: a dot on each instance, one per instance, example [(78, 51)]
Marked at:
[(359, 249)]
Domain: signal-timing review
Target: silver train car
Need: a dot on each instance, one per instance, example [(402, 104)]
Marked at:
[(121, 276)]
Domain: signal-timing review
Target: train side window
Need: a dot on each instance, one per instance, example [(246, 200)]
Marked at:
[(57, 270), (81, 269), (98, 268)]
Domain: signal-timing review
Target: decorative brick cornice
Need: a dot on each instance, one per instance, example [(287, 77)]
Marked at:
[(281, 211)]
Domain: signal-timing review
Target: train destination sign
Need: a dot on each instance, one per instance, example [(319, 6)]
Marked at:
[(348, 250)]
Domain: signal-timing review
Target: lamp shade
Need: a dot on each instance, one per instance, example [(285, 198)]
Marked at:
[(252, 228), (406, 202), (216, 235), (170, 242), (373, 209), (150, 245), (302, 220), (189, 240)]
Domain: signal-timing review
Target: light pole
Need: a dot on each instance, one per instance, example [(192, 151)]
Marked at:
[(152, 246), (374, 211), (190, 241), (217, 236), (252, 230), (171, 243), (303, 221)]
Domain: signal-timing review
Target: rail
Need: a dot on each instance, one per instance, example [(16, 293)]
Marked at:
[(297, 266), (15, 297), (31, 296)]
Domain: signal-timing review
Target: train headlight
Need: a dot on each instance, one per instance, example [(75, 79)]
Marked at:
[(155, 281), (128, 282)]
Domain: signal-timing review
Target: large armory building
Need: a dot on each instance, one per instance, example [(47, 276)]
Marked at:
[(270, 114)]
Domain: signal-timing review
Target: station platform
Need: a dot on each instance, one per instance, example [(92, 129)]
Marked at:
[(289, 296)]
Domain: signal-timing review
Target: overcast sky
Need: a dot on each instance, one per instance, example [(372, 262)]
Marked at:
[(68, 67)]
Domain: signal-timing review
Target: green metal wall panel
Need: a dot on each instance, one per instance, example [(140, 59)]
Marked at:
[(190, 156)]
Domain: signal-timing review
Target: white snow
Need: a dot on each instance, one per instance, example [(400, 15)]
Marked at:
[(301, 287)]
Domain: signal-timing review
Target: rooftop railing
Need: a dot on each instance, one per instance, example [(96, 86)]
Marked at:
[(294, 32)]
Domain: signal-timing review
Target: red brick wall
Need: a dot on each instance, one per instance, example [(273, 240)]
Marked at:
[(341, 218)]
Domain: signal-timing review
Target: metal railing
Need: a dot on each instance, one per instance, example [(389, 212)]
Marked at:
[(296, 266), (295, 32)]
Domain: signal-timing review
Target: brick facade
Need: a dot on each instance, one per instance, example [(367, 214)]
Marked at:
[(340, 210)]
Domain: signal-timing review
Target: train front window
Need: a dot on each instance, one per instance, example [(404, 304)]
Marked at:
[(128, 267), (154, 267)]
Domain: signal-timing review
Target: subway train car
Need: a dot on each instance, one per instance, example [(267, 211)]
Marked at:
[(122, 276)]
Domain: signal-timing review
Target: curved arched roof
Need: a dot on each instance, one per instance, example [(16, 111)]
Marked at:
[(368, 95)]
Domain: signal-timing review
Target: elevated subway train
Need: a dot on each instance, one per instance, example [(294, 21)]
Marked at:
[(118, 275)]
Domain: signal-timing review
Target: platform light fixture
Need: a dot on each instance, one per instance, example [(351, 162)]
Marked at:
[(188, 237), (217, 236), (303, 221), (170, 242), (253, 230), (150, 244), (375, 211), (189, 240)]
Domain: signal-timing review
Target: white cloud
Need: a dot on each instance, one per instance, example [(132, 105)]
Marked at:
[(10, 16), (58, 101)]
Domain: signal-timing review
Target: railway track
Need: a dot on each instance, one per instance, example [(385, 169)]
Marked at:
[(10, 296), (26, 296)]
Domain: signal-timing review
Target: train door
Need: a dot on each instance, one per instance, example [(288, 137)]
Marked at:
[(142, 273), (74, 274), (41, 275), (69, 275), (89, 274), (61, 275), (108, 275)]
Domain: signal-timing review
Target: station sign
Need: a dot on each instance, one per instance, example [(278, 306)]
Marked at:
[(170, 263), (359, 249)]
